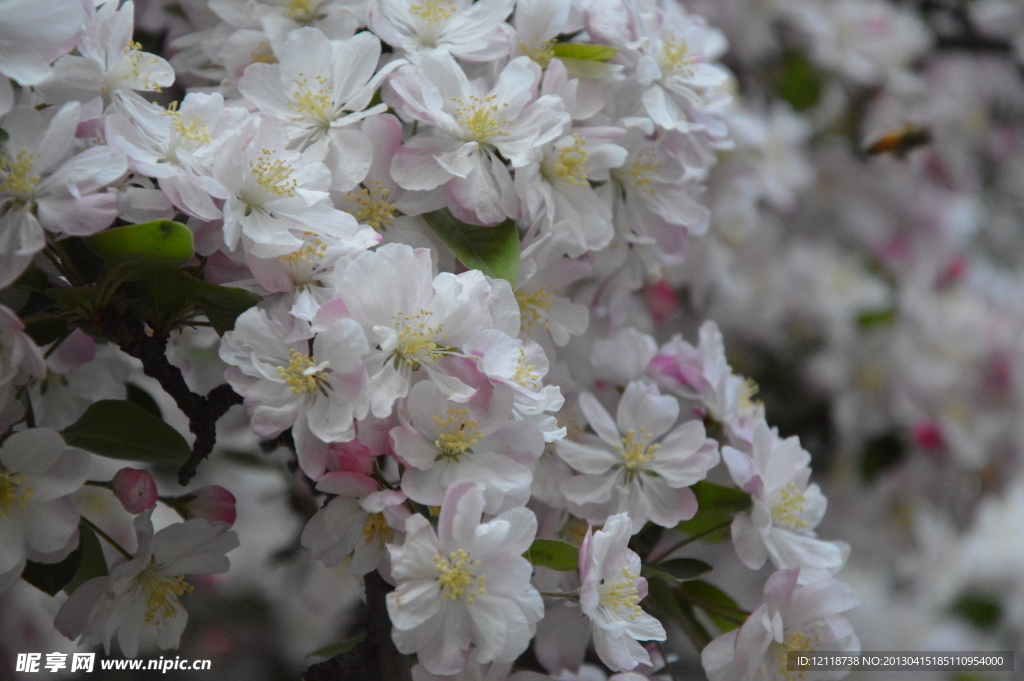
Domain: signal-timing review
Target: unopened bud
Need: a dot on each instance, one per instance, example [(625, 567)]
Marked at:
[(135, 489), (213, 503)]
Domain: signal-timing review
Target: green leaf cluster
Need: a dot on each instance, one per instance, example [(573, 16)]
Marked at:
[(492, 250), (716, 506), (553, 554)]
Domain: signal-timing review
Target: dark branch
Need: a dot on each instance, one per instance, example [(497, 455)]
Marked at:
[(373, 659), (202, 412)]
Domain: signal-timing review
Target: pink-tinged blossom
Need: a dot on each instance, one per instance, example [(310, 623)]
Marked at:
[(38, 518), (474, 31), (610, 592), (786, 509), (33, 34), (212, 503), (20, 358), (445, 443), (382, 203), (319, 387), (467, 584), (46, 185), (630, 467), (792, 618), (356, 524), (321, 89), (109, 64), (135, 489), (178, 146), (472, 124), (276, 195), (419, 322), (138, 601)]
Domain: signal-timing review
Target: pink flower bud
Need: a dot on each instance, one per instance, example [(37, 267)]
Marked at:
[(213, 503), (135, 489), (928, 436)]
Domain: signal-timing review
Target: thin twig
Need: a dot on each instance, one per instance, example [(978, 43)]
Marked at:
[(690, 540)]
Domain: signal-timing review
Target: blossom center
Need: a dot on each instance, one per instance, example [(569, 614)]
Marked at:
[(301, 374), (12, 494), (569, 163), (134, 63), (534, 304), (16, 175), (416, 343), (621, 596), (274, 175), (374, 208), (456, 575), (263, 54), (304, 262), (524, 374), (795, 641), (675, 55), (642, 170), (313, 101), (481, 117), (162, 593), (302, 11), (433, 11), (376, 529), (790, 504), (188, 128), (637, 450), (458, 436)]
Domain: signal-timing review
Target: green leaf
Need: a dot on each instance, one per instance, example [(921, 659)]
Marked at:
[(553, 554), (798, 83), (677, 570), (93, 564), (876, 318), (982, 611), (644, 541), (72, 296), (137, 395), (52, 577), (45, 329), (4, 136), (662, 600), (338, 648), (716, 505), (118, 429), (718, 605), (583, 51), (222, 304), (137, 251), (33, 279), (492, 250)]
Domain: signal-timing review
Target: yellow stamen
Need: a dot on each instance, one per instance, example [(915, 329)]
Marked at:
[(621, 595), (162, 594), (790, 504), (12, 494), (416, 340), (460, 436), (274, 175), (533, 306), (313, 101), (524, 374), (374, 208), (569, 166), (542, 54), (301, 374), (434, 11), (456, 574), (637, 451), (376, 529), (16, 176), (481, 118)]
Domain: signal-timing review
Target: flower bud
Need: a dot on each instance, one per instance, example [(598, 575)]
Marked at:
[(135, 489), (213, 503)]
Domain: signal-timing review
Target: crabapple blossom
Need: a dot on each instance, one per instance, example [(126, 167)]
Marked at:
[(467, 583), (32, 35), (38, 518), (138, 601), (630, 467), (786, 508), (135, 489), (611, 588), (467, 30), (792, 618)]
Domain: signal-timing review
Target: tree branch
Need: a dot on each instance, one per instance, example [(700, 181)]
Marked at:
[(202, 412)]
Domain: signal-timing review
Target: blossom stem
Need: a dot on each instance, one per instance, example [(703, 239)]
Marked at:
[(558, 594), (692, 539), (107, 538), (668, 665)]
